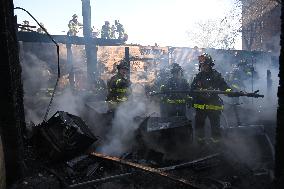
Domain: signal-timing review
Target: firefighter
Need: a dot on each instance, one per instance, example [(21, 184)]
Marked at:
[(247, 70), (25, 26), (174, 104), (40, 30), (73, 26), (161, 77), (112, 32), (118, 85), (98, 87), (234, 79), (119, 29), (106, 31), (207, 105)]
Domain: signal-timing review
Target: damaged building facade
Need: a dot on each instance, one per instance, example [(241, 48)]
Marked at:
[(258, 31)]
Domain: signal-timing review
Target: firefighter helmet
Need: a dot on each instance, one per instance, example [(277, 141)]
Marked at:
[(205, 58), (123, 64), (176, 68), (243, 62)]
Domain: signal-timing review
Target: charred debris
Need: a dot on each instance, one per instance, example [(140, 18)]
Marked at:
[(61, 153)]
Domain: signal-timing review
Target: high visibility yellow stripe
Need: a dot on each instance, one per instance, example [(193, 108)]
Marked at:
[(162, 87), (212, 107), (117, 100), (228, 90), (121, 90), (235, 86), (123, 99), (207, 107), (118, 81), (199, 106), (176, 101)]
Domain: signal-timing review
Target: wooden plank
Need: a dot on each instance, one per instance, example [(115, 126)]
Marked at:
[(148, 169), (42, 38)]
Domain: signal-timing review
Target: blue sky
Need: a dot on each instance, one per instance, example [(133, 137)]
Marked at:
[(146, 21)]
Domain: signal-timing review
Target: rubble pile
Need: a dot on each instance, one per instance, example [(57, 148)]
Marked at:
[(78, 165)]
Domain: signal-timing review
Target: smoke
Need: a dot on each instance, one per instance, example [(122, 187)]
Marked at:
[(39, 74), (36, 76), (261, 109), (252, 144), (120, 138), (68, 101)]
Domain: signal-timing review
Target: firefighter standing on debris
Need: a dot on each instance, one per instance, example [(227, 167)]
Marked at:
[(119, 29), (234, 79), (246, 70), (174, 104), (40, 30), (98, 87), (207, 105), (25, 26), (118, 85), (112, 32), (73, 26), (106, 31)]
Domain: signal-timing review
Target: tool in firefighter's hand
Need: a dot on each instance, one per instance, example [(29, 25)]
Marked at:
[(154, 93), (205, 91), (231, 93)]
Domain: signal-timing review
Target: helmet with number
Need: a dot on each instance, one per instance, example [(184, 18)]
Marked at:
[(205, 58)]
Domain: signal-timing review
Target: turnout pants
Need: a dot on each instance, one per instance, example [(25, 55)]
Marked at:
[(214, 118)]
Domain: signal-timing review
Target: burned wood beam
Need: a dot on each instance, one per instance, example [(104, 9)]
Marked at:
[(170, 168), (191, 163), (90, 47), (99, 181), (148, 169), (70, 64), (126, 57), (43, 38), (12, 117)]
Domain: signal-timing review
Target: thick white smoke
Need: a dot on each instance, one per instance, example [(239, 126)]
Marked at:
[(39, 74), (36, 76), (120, 138)]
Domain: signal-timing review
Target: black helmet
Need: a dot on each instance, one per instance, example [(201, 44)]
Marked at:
[(205, 58), (123, 64), (176, 68)]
